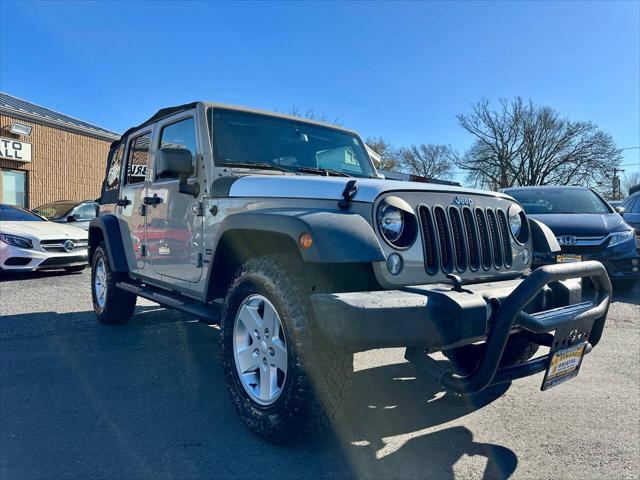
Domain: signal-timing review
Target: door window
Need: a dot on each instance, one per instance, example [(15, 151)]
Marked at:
[(14, 187), (113, 175), (181, 134), (138, 159)]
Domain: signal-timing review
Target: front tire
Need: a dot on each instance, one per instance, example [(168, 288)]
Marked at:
[(113, 306), (285, 380)]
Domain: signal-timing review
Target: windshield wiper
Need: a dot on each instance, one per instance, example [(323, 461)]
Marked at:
[(262, 165), (323, 171)]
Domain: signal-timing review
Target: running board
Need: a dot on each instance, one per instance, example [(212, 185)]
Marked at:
[(207, 313)]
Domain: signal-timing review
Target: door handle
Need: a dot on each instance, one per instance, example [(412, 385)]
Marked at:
[(155, 200), (123, 202)]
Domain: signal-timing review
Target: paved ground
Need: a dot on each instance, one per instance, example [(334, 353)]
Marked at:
[(147, 400)]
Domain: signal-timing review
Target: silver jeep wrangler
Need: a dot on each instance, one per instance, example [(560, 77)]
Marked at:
[(281, 231)]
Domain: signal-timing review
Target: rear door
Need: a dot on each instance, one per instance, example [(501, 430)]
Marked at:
[(131, 207), (174, 221)]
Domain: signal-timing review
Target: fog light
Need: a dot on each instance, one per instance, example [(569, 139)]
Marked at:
[(526, 256), (394, 264), (635, 269)]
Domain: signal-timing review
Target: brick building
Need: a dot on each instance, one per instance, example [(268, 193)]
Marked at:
[(46, 155)]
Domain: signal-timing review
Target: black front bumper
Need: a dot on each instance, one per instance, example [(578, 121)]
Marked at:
[(436, 318)]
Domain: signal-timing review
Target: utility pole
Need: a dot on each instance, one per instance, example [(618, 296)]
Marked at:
[(615, 183)]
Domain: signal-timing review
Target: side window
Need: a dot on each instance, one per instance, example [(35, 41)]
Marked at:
[(181, 134), (137, 159), (86, 212), (113, 176)]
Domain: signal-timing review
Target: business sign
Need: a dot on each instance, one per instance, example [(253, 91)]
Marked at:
[(11, 149)]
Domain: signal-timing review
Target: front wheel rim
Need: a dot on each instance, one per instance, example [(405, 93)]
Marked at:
[(260, 349), (100, 283)]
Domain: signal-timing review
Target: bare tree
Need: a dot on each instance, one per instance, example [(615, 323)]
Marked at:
[(629, 180), (429, 160), (311, 114), (390, 157), (492, 157), (525, 144)]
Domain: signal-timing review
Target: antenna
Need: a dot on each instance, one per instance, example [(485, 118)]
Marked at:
[(213, 59)]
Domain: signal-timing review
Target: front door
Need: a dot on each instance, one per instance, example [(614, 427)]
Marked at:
[(174, 222), (131, 200)]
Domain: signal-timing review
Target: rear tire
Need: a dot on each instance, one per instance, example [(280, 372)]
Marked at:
[(314, 382), (113, 306)]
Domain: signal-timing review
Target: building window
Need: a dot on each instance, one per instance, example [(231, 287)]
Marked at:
[(138, 159), (14, 187)]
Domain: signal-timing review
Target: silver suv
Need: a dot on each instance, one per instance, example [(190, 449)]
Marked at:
[(281, 231)]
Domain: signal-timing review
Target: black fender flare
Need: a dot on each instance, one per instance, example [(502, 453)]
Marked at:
[(110, 228), (338, 236), (544, 241)]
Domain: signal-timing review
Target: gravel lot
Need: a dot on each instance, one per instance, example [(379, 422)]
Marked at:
[(148, 400)]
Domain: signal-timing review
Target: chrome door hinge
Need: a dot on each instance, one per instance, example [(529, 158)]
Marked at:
[(143, 250), (143, 210), (200, 211), (199, 261)]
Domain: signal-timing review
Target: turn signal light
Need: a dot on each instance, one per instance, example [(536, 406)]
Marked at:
[(305, 241)]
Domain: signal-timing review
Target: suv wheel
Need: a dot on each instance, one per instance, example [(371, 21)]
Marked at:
[(112, 305), (284, 379)]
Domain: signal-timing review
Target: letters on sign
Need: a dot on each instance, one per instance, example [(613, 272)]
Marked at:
[(11, 149)]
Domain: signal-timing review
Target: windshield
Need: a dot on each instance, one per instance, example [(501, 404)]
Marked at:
[(54, 210), (10, 213), (559, 200), (246, 139)]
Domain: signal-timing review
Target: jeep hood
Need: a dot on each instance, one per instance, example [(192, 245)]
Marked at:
[(330, 188)]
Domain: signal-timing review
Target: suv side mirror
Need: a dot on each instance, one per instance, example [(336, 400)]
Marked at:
[(177, 163), (73, 218), (619, 210)]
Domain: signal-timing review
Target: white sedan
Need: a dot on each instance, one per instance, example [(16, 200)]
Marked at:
[(28, 242)]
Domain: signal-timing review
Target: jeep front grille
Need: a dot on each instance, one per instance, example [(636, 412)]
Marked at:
[(463, 239)]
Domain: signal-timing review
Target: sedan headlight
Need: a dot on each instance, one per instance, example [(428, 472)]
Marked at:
[(397, 222), (16, 241), (620, 237)]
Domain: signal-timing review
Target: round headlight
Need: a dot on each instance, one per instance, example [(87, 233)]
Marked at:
[(515, 222), (390, 221)]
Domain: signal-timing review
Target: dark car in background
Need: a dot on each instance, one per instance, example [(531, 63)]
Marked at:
[(63, 211), (587, 228), (631, 211)]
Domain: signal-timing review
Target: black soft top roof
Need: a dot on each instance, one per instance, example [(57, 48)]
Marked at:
[(164, 112)]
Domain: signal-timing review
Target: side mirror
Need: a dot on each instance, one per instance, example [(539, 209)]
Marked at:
[(177, 163), (619, 210), (73, 218)]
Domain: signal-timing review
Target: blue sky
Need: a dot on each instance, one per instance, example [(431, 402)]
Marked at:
[(397, 70)]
